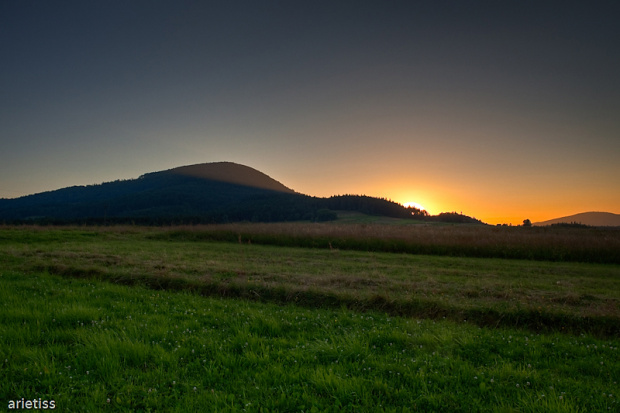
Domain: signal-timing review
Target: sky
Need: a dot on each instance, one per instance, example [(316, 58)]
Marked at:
[(501, 110)]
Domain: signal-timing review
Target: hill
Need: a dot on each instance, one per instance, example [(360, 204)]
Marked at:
[(231, 173), (204, 193), (595, 219), (207, 191)]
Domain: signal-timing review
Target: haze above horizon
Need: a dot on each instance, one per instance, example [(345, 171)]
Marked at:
[(501, 111)]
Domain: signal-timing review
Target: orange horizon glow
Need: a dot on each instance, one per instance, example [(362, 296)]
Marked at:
[(413, 204), (538, 204), (456, 111), (488, 205)]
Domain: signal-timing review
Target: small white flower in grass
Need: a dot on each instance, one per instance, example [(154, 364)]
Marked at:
[(108, 400), (194, 388), (517, 384)]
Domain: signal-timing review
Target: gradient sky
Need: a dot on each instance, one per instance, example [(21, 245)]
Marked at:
[(503, 110)]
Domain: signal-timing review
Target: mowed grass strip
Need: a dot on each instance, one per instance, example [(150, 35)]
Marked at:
[(541, 296), (97, 346)]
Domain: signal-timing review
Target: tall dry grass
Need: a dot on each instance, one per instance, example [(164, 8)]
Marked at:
[(595, 245), (539, 243)]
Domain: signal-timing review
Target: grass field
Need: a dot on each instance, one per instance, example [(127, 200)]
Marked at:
[(147, 319), (596, 245)]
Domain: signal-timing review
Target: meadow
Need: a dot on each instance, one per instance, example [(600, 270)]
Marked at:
[(208, 319), (367, 233)]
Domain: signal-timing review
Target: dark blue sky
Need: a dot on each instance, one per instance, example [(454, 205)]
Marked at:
[(498, 109)]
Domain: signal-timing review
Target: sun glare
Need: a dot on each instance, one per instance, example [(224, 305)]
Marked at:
[(414, 205)]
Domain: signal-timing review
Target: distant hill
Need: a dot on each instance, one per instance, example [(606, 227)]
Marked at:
[(207, 191), (595, 219), (231, 173), (203, 193)]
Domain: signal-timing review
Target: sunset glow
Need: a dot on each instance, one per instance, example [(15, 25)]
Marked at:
[(503, 112), (414, 205)]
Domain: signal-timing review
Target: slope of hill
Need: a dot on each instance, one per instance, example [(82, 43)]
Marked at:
[(595, 219), (231, 173), (202, 193), (192, 191)]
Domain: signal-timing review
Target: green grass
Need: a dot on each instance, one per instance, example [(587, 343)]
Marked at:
[(148, 319), (541, 296), (353, 217), (95, 346)]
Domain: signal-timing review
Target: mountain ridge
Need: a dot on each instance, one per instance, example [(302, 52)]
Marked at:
[(230, 172), (592, 218), (200, 193), (193, 190)]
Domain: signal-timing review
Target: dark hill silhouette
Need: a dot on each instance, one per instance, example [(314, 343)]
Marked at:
[(595, 219), (191, 191), (203, 193), (231, 173)]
